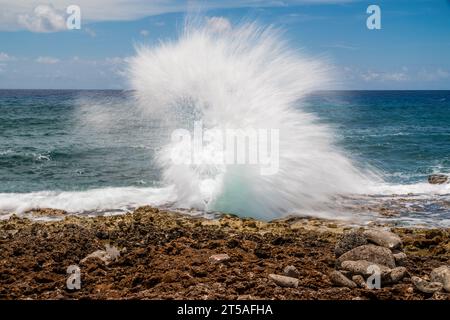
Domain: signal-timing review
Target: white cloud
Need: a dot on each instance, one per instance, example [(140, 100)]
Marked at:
[(44, 18), (219, 24), (47, 60), (385, 76), (5, 57), (21, 14), (433, 75), (144, 33), (403, 74)]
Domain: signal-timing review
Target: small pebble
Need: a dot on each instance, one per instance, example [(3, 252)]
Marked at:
[(291, 271), (338, 279), (284, 281), (219, 258)]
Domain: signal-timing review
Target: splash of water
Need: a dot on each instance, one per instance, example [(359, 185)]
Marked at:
[(241, 77)]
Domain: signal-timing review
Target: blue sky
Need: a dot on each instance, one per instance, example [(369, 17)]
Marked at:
[(411, 51)]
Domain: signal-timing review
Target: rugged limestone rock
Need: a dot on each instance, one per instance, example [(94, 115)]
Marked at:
[(348, 241), (383, 238), (359, 280), (400, 258), (167, 255), (442, 275), (378, 255), (426, 286), (397, 274), (363, 267)]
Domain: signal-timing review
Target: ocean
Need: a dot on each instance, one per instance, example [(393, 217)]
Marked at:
[(91, 152)]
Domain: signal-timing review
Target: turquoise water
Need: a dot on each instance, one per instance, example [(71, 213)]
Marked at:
[(72, 140), (57, 146), (405, 134)]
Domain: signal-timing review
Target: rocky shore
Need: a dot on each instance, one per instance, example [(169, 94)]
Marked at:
[(157, 254)]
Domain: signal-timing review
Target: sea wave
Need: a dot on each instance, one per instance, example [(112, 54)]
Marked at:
[(89, 201)]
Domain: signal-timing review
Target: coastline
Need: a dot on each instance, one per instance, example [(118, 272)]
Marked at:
[(161, 254)]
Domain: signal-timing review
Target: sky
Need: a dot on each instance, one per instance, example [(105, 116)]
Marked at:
[(410, 51)]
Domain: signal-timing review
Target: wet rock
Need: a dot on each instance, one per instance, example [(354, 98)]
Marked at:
[(291, 271), (442, 275), (47, 212), (400, 258), (437, 178), (284, 281), (363, 268), (338, 279), (359, 280), (219, 258), (375, 254), (383, 238), (397, 274), (426, 286), (348, 241)]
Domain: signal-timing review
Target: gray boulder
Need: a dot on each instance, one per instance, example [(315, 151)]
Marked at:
[(359, 280), (426, 286), (338, 279), (363, 268), (397, 274), (442, 275), (400, 258), (375, 254), (348, 241), (383, 238)]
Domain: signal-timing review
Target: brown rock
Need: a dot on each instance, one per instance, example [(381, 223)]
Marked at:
[(291, 271), (437, 178)]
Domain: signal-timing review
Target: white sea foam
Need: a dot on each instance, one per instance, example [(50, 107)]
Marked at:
[(237, 78), (95, 200), (414, 189)]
